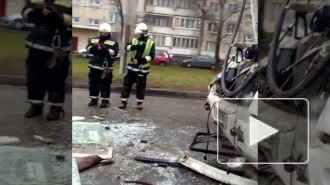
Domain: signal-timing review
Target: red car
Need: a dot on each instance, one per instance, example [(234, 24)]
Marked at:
[(162, 58)]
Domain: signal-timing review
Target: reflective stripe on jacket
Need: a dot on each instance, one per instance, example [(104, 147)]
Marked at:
[(143, 68)]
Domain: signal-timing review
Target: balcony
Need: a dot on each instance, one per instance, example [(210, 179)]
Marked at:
[(183, 51), (160, 10), (174, 31), (114, 26)]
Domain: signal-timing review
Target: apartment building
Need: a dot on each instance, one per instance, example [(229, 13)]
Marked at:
[(89, 14), (176, 25), (210, 28)]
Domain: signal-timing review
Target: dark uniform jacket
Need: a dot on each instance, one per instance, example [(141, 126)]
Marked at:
[(59, 23), (142, 49), (109, 51)]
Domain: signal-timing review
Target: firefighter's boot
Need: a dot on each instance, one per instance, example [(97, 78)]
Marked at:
[(34, 111), (123, 105), (104, 103), (93, 102), (139, 106), (55, 113)]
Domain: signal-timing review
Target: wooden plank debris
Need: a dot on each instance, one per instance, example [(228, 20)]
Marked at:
[(215, 173)]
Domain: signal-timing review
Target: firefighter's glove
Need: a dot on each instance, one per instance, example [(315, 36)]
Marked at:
[(100, 47)]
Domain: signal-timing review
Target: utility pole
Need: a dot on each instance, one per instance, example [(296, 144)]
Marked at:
[(129, 12)]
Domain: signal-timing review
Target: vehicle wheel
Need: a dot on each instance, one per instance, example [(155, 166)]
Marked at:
[(188, 65), (84, 55), (212, 67), (162, 64)]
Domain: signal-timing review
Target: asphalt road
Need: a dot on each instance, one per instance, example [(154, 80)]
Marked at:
[(12, 109), (168, 125)]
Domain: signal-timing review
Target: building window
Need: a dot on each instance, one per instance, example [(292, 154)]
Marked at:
[(230, 28), (165, 3), (210, 46), (186, 4), (159, 40), (114, 17), (212, 27), (185, 42), (75, 19), (94, 22), (137, 2), (225, 47), (186, 23), (157, 20), (76, 1), (215, 7), (233, 8), (95, 2), (249, 37)]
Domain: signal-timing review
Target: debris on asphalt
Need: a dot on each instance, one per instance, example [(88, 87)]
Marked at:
[(130, 144), (84, 163), (92, 152), (137, 182), (143, 150), (107, 128), (160, 165), (60, 157), (144, 141), (106, 162), (98, 118), (162, 155), (45, 140), (215, 173), (118, 109), (6, 140), (77, 118), (174, 161), (116, 127)]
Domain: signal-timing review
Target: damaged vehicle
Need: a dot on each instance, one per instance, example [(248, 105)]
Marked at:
[(289, 89)]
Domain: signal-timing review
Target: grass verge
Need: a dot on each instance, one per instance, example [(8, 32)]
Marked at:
[(170, 77)]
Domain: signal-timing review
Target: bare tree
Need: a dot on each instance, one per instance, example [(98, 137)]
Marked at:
[(218, 20), (119, 6)]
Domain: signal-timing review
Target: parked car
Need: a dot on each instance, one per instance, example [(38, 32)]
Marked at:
[(162, 58), (15, 21), (81, 53), (202, 61)]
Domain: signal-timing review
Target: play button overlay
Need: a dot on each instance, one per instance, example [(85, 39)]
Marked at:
[(263, 130), (259, 131)]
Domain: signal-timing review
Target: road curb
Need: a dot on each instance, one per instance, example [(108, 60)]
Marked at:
[(21, 81)]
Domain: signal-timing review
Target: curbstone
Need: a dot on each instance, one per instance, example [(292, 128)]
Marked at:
[(21, 81)]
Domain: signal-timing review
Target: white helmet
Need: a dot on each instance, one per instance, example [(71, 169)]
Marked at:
[(141, 28), (105, 27)]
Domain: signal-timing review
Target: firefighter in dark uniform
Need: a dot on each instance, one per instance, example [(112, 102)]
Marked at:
[(142, 50), (103, 48), (48, 61)]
